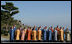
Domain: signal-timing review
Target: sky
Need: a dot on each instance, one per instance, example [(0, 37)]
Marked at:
[(43, 13)]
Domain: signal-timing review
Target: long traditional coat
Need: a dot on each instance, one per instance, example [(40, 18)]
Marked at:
[(29, 34), (14, 32), (17, 34), (11, 34), (39, 34), (34, 35), (23, 35), (58, 34), (62, 35), (67, 35), (44, 34), (50, 35), (55, 35), (14, 28)]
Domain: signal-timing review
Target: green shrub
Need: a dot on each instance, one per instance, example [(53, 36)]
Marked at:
[(2, 31), (6, 33)]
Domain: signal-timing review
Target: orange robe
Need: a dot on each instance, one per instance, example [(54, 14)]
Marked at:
[(39, 34), (17, 34), (58, 34), (58, 30), (34, 35), (52, 30), (29, 34)]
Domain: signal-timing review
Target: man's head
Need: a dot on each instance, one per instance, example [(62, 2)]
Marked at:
[(67, 28), (12, 27), (34, 26), (45, 27), (51, 26), (24, 27), (60, 27), (57, 26), (30, 27), (63, 27), (39, 27)]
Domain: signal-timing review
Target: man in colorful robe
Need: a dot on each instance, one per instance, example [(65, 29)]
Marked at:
[(12, 34), (45, 33)]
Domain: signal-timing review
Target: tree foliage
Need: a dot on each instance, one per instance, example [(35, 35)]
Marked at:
[(7, 11)]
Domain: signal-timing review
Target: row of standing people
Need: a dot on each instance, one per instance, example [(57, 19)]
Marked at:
[(56, 34)]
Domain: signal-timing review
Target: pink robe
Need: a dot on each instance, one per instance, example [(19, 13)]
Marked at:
[(23, 35)]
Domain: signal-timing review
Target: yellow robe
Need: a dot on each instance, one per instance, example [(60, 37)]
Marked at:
[(17, 34), (39, 34), (34, 35), (62, 35)]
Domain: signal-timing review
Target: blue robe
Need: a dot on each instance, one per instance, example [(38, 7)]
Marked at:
[(11, 34), (55, 35), (47, 34), (14, 33), (64, 34), (15, 29), (44, 34), (50, 35)]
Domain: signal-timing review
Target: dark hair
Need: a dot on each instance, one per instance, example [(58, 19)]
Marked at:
[(39, 28), (19, 27), (30, 27), (60, 27), (55, 28), (45, 27), (57, 25), (63, 27), (34, 27), (23, 24), (24, 28), (51, 26)]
